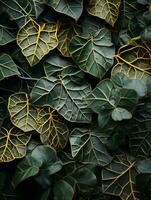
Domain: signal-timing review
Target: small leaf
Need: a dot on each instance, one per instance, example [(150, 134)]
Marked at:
[(7, 35), (36, 41), (7, 66), (87, 145), (23, 114), (71, 8), (105, 9), (63, 191), (52, 130), (12, 144), (119, 114), (93, 54), (119, 178)]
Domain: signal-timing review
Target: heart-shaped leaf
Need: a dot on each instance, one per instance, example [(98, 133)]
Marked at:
[(23, 114), (105, 9), (36, 41), (13, 144), (93, 53), (51, 128), (118, 178)]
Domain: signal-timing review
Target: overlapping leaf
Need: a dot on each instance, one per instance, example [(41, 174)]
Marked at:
[(36, 41), (93, 54), (71, 8), (105, 9), (12, 144), (62, 91), (66, 31), (134, 60), (119, 178), (87, 145), (23, 114), (7, 66), (52, 130)]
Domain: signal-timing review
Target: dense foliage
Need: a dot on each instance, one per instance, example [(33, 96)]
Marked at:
[(75, 99)]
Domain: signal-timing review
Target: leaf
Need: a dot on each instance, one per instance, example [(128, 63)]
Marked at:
[(23, 114), (134, 60), (119, 178), (7, 35), (105, 9), (25, 169), (70, 8), (43, 159), (87, 145), (63, 191), (140, 141), (144, 166), (51, 128), (93, 54), (66, 31), (36, 41), (18, 9), (105, 97), (7, 66), (47, 158), (64, 94), (118, 114), (12, 144)]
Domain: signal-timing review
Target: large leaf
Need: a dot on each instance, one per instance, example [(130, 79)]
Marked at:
[(7, 66), (119, 178), (23, 114), (13, 144), (93, 53), (43, 159), (36, 41), (51, 128), (62, 92), (71, 8), (87, 145), (105, 9)]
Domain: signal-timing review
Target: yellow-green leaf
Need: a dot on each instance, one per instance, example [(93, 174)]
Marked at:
[(105, 9), (23, 114), (13, 144), (118, 178), (51, 128), (134, 60), (36, 41), (66, 31)]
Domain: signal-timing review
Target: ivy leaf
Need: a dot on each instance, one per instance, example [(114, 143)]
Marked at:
[(23, 114), (87, 145), (62, 92), (36, 41), (7, 34), (71, 8), (118, 178), (12, 144), (63, 190), (7, 66), (93, 54), (106, 9), (134, 60), (66, 31), (43, 159), (52, 130), (18, 9)]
